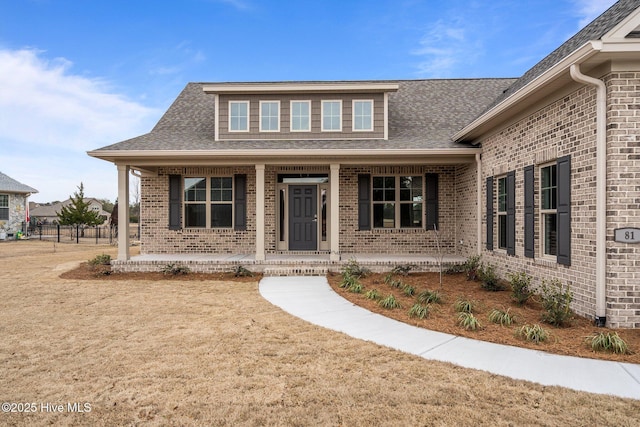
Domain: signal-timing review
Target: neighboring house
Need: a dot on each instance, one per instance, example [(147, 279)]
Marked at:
[(48, 213), (14, 205), (538, 174)]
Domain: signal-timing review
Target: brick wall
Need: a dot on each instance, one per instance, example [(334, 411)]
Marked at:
[(567, 127), (466, 209), (396, 241), (154, 210)]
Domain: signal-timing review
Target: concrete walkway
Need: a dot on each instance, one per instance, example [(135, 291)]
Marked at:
[(312, 299)]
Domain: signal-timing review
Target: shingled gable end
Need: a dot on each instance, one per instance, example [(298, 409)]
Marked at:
[(259, 171)]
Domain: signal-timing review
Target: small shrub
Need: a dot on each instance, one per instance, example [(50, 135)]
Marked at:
[(103, 259), (409, 290), (533, 333), (609, 342), (490, 281), (520, 287), (240, 271), (403, 270), (175, 269), (471, 267), (355, 287), (420, 311), (348, 281), (556, 301), (389, 302), (501, 317), (388, 278), (464, 306), (468, 321), (373, 294), (354, 269), (396, 284), (428, 297)]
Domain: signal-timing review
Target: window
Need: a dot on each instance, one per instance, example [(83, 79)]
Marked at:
[(208, 198), (332, 116), (269, 116), (502, 212), (362, 115), (548, 209), (4, 207), (300, 116), (238, 116), (397, 197)]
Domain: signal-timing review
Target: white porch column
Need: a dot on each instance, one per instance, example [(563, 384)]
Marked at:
[(260, 200), (334, 235), (123, 212)]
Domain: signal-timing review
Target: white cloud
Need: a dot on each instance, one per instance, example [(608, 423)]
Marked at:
[(444, 47), (51, 117), (588, 10)]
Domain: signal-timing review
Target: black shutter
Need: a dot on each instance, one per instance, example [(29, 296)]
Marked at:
[(564, 210), (175, 202), (364, 202), (431, 187), (490, 213), (511, 213), (240, 203), (529, 212)]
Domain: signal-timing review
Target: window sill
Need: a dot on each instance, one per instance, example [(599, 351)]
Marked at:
[(398, 230), (546, 262)]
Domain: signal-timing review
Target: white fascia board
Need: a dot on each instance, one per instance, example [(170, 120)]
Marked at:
[(238, 88), (579, 55)]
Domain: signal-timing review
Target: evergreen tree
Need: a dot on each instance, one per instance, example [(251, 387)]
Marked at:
[(78, 212)]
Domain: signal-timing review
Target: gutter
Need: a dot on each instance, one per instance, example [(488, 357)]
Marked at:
[(601, 190)]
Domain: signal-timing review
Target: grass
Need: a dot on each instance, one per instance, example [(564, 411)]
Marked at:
[(420, 311), (389, 302), (179, 351), (533, 333), (468, 321), (501, 317)]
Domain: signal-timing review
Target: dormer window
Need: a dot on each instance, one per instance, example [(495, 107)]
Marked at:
[(300, 116), (239, 116), (331, 116), (362, 115), (269, 116)]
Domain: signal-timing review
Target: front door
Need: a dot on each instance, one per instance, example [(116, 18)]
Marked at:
[(303, 217)]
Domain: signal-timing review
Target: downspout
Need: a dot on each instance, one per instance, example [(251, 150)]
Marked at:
[(601, 190), (479, 201)]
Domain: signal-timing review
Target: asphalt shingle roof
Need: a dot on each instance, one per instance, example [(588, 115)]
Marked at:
[(10, 185), (422, 114)]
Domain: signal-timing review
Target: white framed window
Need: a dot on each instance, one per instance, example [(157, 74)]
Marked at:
[(208, 202), (362, 115), (331, 116), (4, 207), (269, 116), (300, 116), (397, 197), (238, 116), (502, 212), (549, 209)]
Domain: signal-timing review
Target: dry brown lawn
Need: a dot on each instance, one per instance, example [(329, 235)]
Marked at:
[(177, 352)]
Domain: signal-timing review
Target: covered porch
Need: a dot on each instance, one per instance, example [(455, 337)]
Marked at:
[(285, 264)]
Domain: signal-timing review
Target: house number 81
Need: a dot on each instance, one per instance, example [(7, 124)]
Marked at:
[(627, 235)]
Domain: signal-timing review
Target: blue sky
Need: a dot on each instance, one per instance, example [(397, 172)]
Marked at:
[(79, 75)]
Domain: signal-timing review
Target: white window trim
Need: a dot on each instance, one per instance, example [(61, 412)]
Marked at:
[(248, 103), (500, 213), (326, 101), (543, 212), (291, 129), (397, 203), (260, 115), (353, 115), (208, 203)]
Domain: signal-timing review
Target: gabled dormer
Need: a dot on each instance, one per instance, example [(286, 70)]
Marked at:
[(301, 111)]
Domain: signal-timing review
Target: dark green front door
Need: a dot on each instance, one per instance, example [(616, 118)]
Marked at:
[(303, 217)]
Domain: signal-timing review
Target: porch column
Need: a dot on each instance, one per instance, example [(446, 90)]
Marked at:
[(123, 212), (260, 200), (334, 235)]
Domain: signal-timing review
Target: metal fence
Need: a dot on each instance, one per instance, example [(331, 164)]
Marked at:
[(102, 234)]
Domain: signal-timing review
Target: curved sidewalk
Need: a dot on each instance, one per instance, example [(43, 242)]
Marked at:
[(312, 299)]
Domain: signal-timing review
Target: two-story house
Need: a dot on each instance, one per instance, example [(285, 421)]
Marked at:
[(537, 174)]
